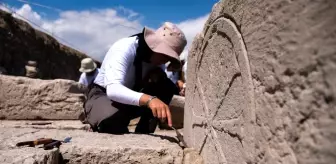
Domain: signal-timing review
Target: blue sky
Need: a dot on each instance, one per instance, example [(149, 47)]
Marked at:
[(154, 11), (93, 26)]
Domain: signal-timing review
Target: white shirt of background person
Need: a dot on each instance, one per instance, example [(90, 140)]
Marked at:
[(89, 71), (173, 76), (86, 79)]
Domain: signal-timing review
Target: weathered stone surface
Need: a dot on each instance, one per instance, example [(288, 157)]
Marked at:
[(191, 156), (177, 111), (70, 125), (29, 155), (262, 83), (64, 124), (88, 147), (25, 98)]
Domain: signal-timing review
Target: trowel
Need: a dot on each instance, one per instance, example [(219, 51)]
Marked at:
[(180, 138)]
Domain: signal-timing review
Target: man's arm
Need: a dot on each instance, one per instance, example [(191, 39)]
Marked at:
[(82, 79), (120, 58)]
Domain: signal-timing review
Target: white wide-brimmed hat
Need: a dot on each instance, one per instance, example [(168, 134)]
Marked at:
[(87, 65), (168, 40)]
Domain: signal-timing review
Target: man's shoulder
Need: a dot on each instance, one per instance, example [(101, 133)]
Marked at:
[(129, 42), (82, 75), (124, 48)]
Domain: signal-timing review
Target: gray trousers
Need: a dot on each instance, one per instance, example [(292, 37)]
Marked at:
[(106, 116)]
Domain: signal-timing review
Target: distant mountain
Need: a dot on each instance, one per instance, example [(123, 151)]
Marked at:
[(20, 43)]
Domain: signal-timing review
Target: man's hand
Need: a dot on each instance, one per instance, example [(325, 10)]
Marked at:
[(180, 84), (182, 92), (159, 108)]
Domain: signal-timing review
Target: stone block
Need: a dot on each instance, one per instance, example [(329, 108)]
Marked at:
[(29, 155), (261, 83), (46, 124), (25, 98), (176, 107), (191, 156), (89, 147), (34, 99)]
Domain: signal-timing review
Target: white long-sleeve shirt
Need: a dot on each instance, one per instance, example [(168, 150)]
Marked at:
[(117, 73), (86, 80)]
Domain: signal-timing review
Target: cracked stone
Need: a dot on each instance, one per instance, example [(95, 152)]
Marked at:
[(89, 147), (261, 83)]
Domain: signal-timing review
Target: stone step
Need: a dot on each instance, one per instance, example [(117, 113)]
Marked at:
[(89, 147), (45, 124), (29, 155), (70, 125)]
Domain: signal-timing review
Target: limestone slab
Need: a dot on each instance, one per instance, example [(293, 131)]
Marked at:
[(71, 125), (29, 156), (89, 147), (176, 107), (191, 156), (24, 98), (261, 83), (177, 110), (45, 124)]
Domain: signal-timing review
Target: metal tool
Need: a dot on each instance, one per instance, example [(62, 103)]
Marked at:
[(53, 144), (66, 140), (56, 143), (48, 143), (39, 141), (180, 138)]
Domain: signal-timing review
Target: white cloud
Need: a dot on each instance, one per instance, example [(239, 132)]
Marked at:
[(94, 31), (27, 12), (131, 14), (3, 8)]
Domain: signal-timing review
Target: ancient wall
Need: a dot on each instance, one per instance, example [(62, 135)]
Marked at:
[(262, 83), (20, 43)]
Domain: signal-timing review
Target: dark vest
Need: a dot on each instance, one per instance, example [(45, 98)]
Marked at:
[(143, 54)]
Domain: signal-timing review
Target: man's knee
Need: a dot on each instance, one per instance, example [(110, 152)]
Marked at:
[(115, 124), (98, 109)]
